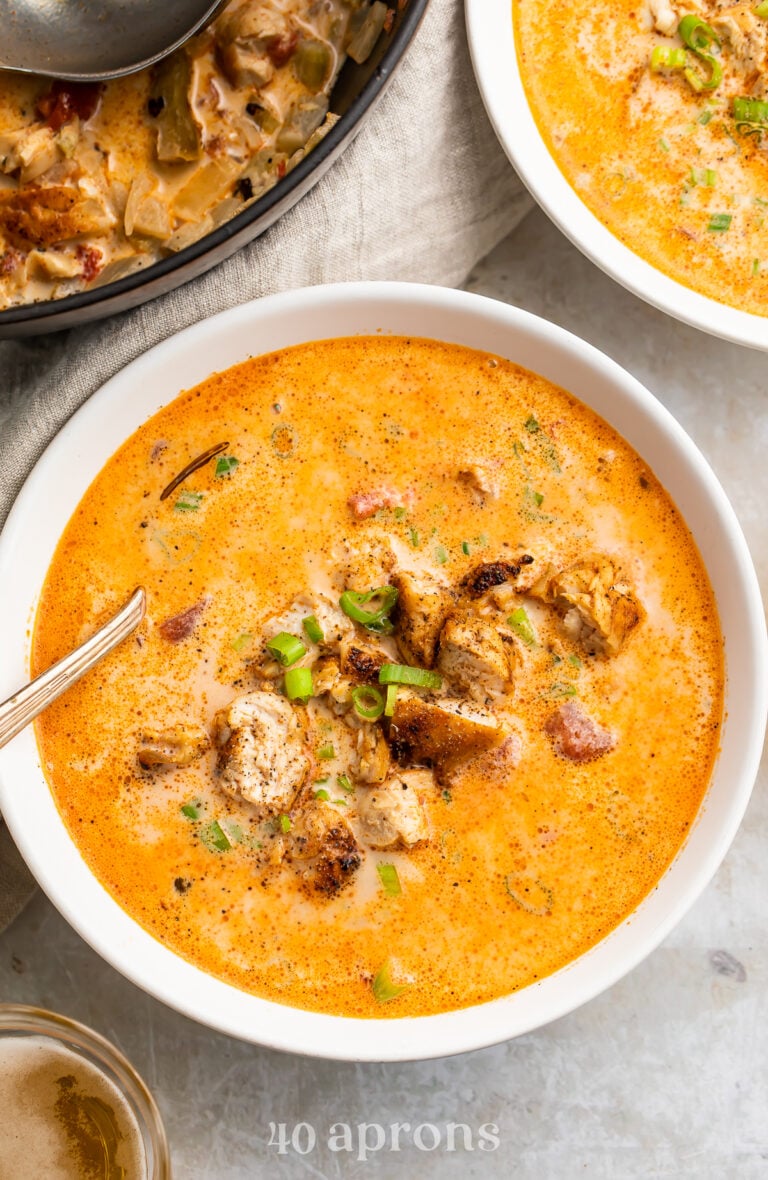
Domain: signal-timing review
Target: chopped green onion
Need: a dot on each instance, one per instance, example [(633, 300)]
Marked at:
[(665, 57), (531, 425), (225, 466), (368, 701), (389, 707), (389, 879), (751, 115), (405, 674), (400, 512), (719, 223), (382, 986), (344, 783), (326, 752), (214, 837), (314, 631), (575, 661), (441, 554), (285, 823), (465, 548), (762, 9), (705, 117), (561, 689), (755, 267), (413, 535), (697, 83), (241, 641), (192, 810), (530, 895), (523, 627), (446, 794), (750, 110), (188, 502), (319, 782), (286, 649), (321, 794), (298, 684), (699, 36), (284, 441), (233, 831), (535, 497), (377, 620), (341, 802), (696, 33), (663, 144)]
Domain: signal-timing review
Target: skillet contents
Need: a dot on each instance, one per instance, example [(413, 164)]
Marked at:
[(97, 181), (428, 692), (656, 113)]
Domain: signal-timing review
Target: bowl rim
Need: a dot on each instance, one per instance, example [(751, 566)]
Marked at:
[(79, 451), (490, 29), (296, 181)]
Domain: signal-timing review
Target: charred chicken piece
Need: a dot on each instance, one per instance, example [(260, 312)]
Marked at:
[(263, 755), (597, 605), (177, 745), (422, 606), (441, 731), (392, 815), (322, 848), (493, 573), (361, 662), (474, 657), (372, 755)]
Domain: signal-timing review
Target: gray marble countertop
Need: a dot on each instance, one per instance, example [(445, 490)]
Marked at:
[(664, 1075)]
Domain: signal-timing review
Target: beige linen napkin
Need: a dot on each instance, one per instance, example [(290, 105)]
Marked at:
[(422, 194)]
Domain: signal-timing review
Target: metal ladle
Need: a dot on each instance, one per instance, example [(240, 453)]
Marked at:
[(91, 40), (25, 704)]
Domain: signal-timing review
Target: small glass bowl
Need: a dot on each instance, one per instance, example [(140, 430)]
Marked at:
[(19, 1020)]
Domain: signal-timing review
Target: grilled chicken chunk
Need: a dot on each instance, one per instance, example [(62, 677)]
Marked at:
[(262, 751), (361, 662), (329, 680), (440, 730), (322, 848), (665, 18), (598, 607), (372, 755), (392, 814), (474, 657), (366, 565), (422, 605), (178, 745), (576, 736), (488, 574), (331, 619), (482, 480), (746, 35)]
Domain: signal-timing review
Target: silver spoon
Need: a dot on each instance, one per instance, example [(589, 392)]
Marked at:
[(91, 40), (25, 705)]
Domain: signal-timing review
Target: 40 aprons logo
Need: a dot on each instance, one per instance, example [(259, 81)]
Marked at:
[(366, 1139)]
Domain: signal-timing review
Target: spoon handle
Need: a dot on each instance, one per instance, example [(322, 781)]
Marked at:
[(25, 705)]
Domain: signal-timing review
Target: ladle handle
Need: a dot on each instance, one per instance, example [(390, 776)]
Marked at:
[(25, 705)]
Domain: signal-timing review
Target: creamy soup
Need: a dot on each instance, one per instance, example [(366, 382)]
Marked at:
[(656, 113), (99, 180), (429, 689)]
